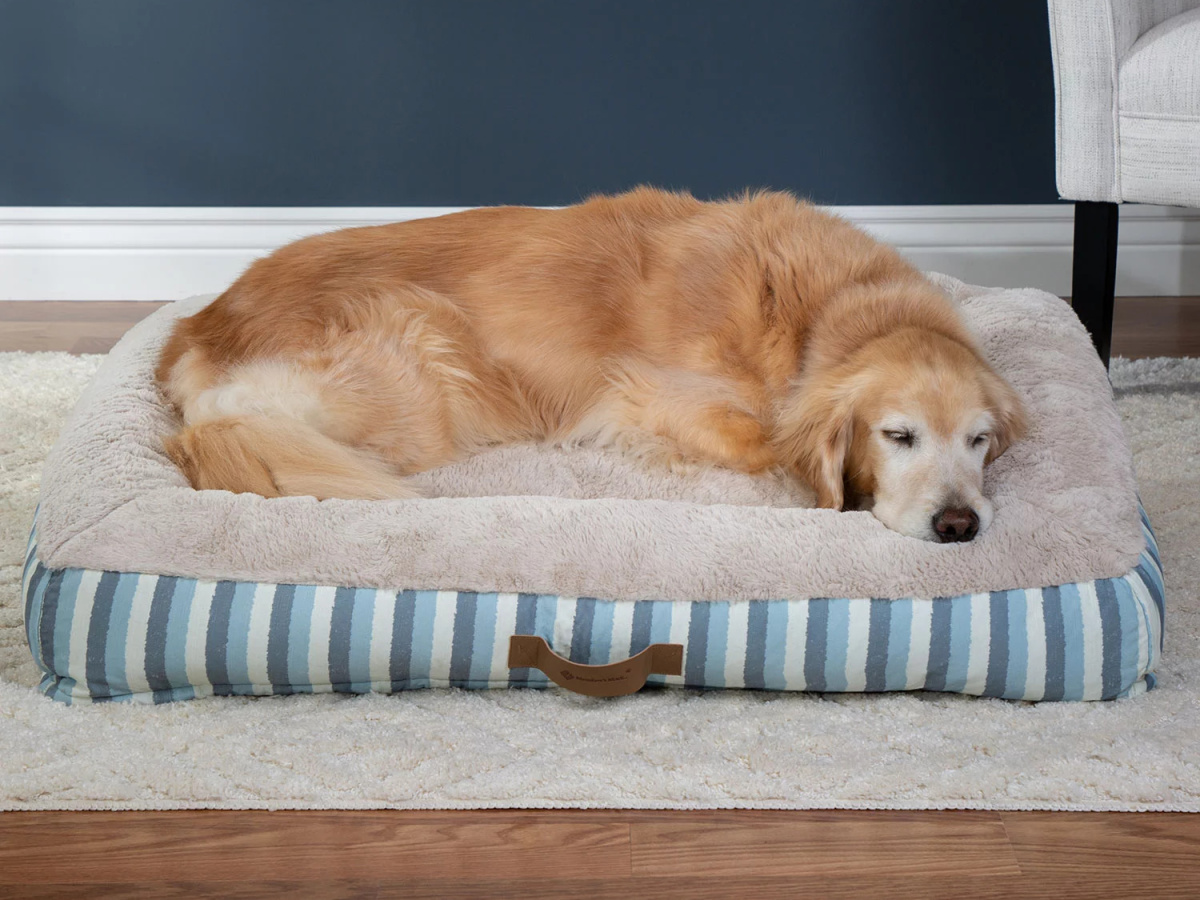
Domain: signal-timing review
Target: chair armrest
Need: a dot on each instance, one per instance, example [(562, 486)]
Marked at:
[(1088, 41)]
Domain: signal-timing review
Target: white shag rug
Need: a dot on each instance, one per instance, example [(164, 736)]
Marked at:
[(670, 749)]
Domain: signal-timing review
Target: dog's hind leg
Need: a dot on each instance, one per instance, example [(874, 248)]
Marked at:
[(395, 385), (277, 457)]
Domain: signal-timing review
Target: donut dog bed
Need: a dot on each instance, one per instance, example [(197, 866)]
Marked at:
[(138, 587)]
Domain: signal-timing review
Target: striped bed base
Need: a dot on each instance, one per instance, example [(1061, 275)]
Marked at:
[(150, 638)]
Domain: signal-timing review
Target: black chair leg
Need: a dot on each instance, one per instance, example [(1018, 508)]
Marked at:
[(1094, 271)]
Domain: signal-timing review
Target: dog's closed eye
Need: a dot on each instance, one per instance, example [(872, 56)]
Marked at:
[(900, 437)]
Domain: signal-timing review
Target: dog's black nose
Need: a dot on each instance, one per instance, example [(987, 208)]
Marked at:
[(955, 524)]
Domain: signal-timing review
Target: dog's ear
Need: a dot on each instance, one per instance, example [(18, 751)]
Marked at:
[(812, 437), (1008, 413)]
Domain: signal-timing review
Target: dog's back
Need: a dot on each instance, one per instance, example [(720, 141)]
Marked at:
[(344, 361)]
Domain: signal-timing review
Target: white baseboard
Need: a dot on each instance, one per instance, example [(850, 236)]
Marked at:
[(152, 253)]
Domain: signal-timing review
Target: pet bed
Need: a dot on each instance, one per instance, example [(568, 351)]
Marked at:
[(139, 588)]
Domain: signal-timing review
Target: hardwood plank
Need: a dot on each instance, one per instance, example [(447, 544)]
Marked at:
[(1081, 844), (207, 846), (91, 327), (1143, 326), (1099, 886), (660, 889), (594, 853), (826, 843), (73, 337), (1156, 326), (127, 311)]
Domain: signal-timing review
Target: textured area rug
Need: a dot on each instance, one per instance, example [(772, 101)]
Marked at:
[(676, 749)]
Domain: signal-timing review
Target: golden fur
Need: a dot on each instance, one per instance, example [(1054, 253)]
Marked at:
[(756, 333)]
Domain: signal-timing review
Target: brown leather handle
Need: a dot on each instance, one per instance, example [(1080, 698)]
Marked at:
[(613, 680)]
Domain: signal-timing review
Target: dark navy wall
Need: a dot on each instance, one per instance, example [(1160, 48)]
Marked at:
[(460, 102)]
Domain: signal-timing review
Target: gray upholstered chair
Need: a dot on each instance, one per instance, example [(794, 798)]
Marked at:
[(1127, 102)]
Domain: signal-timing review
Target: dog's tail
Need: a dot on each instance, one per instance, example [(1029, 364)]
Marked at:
[(280, 457)]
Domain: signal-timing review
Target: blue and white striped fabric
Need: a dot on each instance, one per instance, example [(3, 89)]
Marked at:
[(154, 638)]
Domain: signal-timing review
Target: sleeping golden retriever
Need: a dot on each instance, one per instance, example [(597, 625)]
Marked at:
[(758, 333)]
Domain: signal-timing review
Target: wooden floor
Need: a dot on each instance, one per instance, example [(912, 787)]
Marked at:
[(601, 854), (1143, 326)]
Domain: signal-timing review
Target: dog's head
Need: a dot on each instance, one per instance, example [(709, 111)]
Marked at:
[(904, 427)]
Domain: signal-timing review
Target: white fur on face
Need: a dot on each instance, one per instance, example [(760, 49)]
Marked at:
[(917, 479)]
